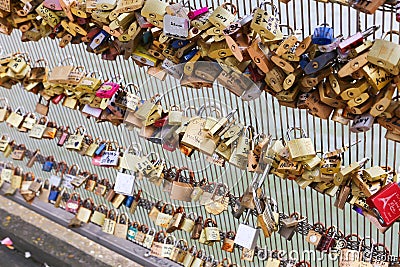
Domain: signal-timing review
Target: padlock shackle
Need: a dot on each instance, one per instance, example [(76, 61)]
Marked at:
[(92, 74), (38, 61), (124, 217), (292, 129), (135, 88), (69, 58), (233, 7), (275, 11)]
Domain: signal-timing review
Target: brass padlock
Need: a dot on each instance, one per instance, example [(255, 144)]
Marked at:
[(375, 173), (385, 54), (330, 165), (300, 149), (265, 24), (211, 230), (344, 174), (221, 17)]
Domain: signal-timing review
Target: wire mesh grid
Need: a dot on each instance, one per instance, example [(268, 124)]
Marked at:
[(264, 114)]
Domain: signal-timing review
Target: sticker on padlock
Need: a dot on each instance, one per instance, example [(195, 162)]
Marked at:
[(176, 27)]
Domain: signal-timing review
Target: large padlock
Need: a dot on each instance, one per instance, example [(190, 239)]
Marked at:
[(385, 54), (265, 24), (247, 236), (300, 149), (221, 17)]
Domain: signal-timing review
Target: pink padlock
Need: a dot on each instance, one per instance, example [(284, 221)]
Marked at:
[(195, 13), (108, 89), (52, 4)]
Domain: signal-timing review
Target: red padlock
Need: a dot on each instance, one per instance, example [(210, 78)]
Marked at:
[(327, 240), (386, 204)]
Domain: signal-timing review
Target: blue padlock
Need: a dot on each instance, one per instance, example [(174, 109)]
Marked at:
[(99, 39), (179, 43), (128, 201), (48, 164), (323, 35), (189, 55), (132, 231), (304, 60), (147, 37), (53, 194), (100, 149)]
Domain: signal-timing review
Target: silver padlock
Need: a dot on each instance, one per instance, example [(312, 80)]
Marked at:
[(176, 27), (362, 123), (247, 236)]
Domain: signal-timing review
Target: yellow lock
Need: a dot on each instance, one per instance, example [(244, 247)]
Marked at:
[(154, 9), (344, 174), (377, 77), (384, 100), (375, 173), (221, 17), (386, 54), (300, 149), (265, 24)]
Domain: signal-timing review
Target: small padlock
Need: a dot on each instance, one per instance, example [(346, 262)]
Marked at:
[(211, 230)]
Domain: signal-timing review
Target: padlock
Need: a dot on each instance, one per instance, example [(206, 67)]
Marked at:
[(199, 260), (385, 205), (168, 246), (221, 17), (314, 236), (356, 39), (343, 197), (383, 101), (344, 174), (327, 240), (265, 24), (154, 9), (189, 257), (188, 222), (376, 76), (362, 123), (375, 173), (300, 149), (289, 226), (330, 165), (175, 115), (229, 244), (247, 236), (176, 27), (211, 230), (367, 6)]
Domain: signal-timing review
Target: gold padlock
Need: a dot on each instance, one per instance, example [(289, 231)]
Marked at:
[(300, 149), (266, 25), (375, 173), (221, 17), (154, 9)]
